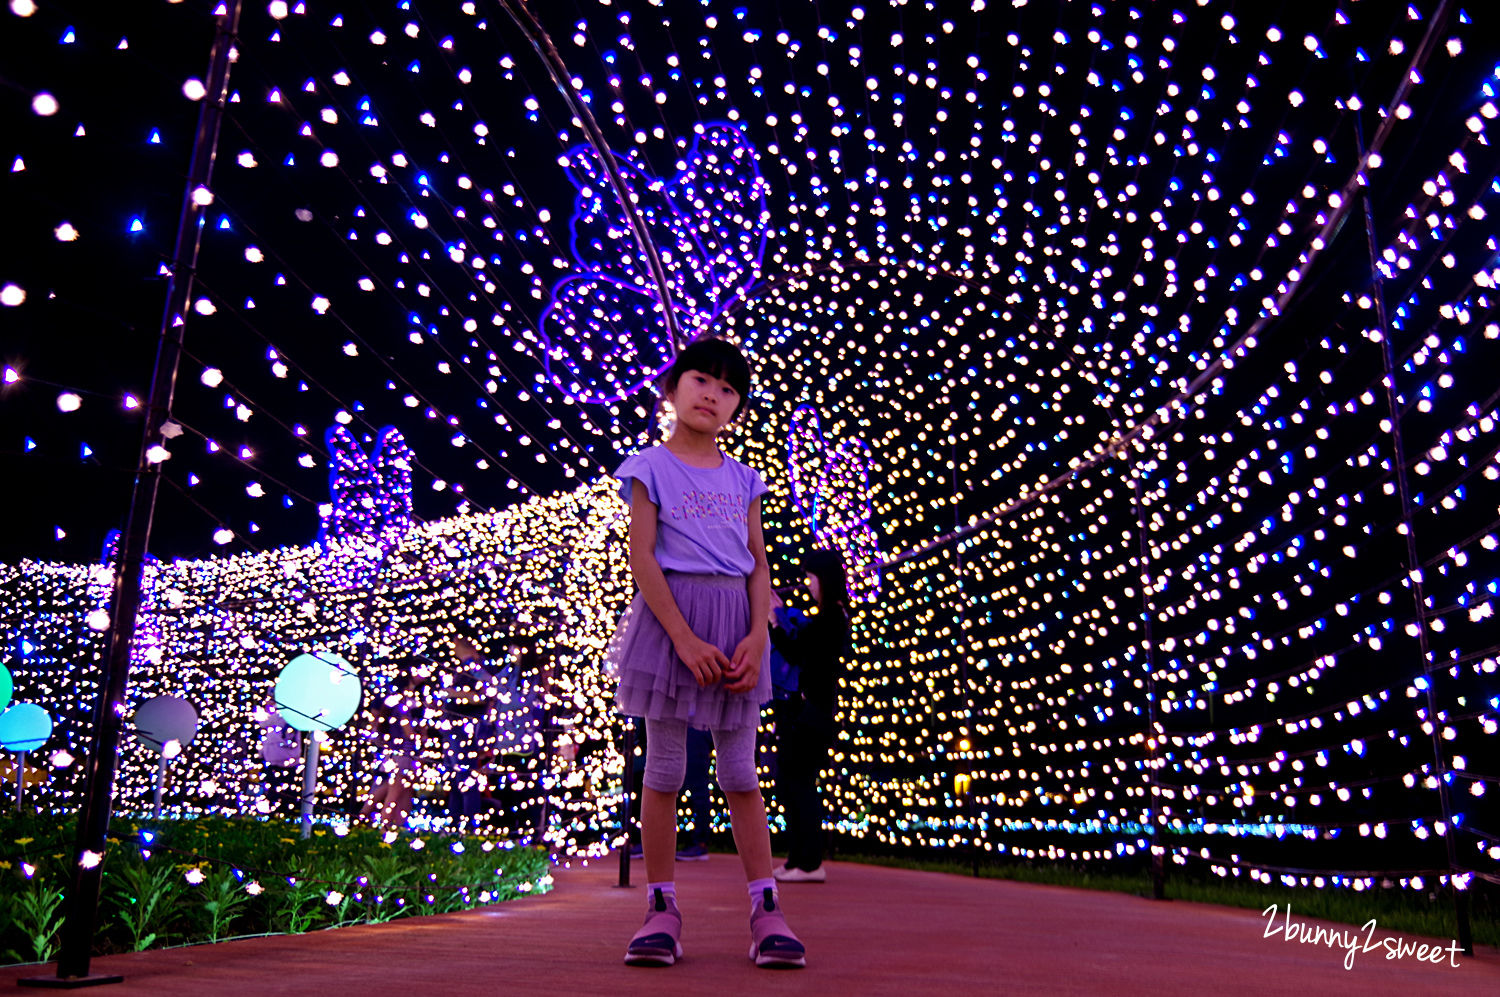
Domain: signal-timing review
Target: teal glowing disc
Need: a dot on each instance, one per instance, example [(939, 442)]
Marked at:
[(317, 691), (7, 686), (24, 727)]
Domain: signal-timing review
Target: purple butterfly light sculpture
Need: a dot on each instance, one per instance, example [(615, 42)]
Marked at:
[(831, 489), (603, 329), (370, 507)]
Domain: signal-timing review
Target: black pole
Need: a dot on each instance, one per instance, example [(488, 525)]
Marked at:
[(82, 900), (626, 776), (1413, 567)]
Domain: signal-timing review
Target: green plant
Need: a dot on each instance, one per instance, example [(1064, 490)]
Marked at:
[(226, 900), (35, 913), (342, 898), (298, 909), (253, 873), (388, 880), (145, 895), (449, 901)]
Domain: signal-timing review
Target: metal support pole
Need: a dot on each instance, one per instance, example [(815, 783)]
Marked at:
[(82, 898), (309, 783), (20, 779), (625, 781), (161, 779), (1414, 572)]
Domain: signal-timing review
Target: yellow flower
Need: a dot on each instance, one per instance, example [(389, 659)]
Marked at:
[(24, 841)]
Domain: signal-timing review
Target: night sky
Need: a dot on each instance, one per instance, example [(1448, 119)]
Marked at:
[(93, 307)]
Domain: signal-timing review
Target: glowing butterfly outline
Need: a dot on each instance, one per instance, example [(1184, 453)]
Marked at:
[(708, 223), (370, 495)]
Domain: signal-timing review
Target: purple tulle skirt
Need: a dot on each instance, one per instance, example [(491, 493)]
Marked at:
[(655, 684)]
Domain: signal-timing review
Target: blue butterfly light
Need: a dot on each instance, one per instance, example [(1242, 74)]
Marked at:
[(371, 494), (604, 333)]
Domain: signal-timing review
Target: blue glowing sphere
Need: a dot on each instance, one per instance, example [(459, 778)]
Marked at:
[(24, 727), (7, 686), (317, 691)]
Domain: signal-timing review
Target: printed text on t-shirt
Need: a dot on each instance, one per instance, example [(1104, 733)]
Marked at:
[(725, 506)]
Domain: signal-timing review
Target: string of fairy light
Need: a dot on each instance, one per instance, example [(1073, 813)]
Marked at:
[(1068, 303), (234, 621)]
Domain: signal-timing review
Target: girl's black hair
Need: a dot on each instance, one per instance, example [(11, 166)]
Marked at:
[(833, 580), (716, 358)]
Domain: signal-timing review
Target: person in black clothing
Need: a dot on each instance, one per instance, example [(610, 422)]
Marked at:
[(816, 649), (693, 846)]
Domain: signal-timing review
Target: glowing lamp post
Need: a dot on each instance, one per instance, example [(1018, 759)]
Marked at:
[(166, 724), (316, 693), (24, 728)]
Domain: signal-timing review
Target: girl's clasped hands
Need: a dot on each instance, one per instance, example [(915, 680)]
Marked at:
[(709, 664)]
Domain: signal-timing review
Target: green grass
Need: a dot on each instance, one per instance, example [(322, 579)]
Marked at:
[(177, 882)]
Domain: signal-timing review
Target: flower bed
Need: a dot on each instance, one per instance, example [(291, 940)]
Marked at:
[(182, 881)]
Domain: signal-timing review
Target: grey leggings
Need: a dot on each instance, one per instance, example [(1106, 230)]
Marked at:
[(666, 757)]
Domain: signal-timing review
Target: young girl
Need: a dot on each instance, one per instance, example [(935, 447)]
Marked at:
[(694, 647)]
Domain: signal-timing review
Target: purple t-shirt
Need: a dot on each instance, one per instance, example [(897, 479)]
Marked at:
[(703, 523)]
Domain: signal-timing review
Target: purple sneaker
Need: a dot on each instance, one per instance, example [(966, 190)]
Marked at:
[(657, 944), (772, 943), (693, 853)]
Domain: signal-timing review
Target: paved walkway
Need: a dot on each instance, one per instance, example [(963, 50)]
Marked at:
[(869, 931)]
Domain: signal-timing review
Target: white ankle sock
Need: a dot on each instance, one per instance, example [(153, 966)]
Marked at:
[(757, 887), (668, 889)]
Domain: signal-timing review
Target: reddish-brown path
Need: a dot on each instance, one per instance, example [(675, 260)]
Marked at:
[(869, 931)]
